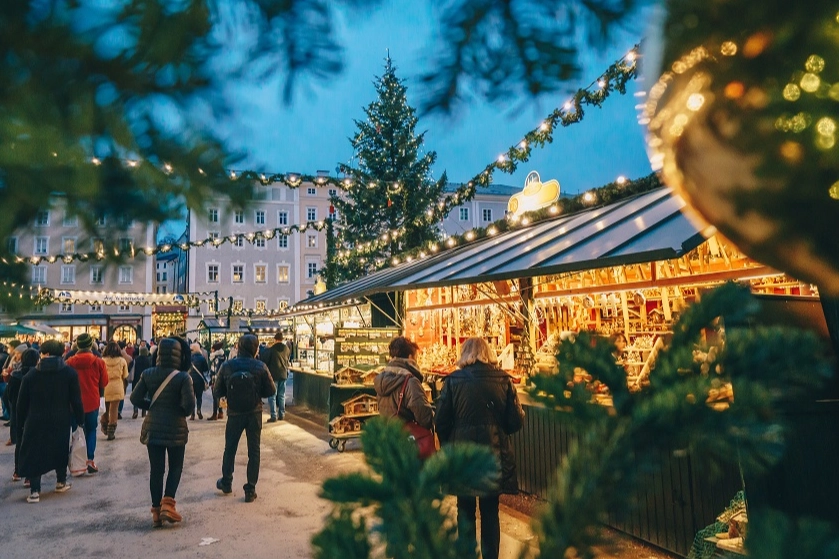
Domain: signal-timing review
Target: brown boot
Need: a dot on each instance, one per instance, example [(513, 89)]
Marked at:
[(221, 413), (168, 512), (112, 429), (192, 417), (155, 517), (213, 417)]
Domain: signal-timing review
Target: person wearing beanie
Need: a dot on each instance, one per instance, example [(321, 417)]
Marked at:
[(141, 363), (93, 378), (198, 370), (49, 398)]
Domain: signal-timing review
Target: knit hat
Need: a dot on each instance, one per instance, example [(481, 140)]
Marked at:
[(21, 348), (84, 341), (52, 348)]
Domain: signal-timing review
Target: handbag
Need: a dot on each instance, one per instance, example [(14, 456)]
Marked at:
[(144, 429), (425, 439)]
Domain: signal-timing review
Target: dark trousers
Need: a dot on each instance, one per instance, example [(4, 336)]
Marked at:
[(199, 397), (157, 460), (490, 526), (251, 424), (35, 482)]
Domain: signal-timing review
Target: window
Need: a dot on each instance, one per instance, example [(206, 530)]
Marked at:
[(312, 241), (69, 245), (311, 269), (282, 217), (464, 214), (95, 275), (42, 218), (95, 308), (282, 273), (39, 274), (126, 274), (68, 274), (70, 220), (311, 214), (42, 245), (126, 245), (11, 245), (161, 289), (99, 246), (259, 217), (282, 241), (212, 215), (238, 273), (239, 216), (261, 305), (158, 276), (211, 307), (282, 304), (212, 273), (164, 275), (487, 214), (239, 242), (259, 242), (238, 305), (259, 273), (100, 221), (124, 308), (333, 192), (65, 308), (311, 191)]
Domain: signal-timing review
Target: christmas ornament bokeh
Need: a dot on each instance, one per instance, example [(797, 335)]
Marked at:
[(743, 123)]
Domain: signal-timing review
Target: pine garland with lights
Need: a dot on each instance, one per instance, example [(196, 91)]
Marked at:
[(390, 189)]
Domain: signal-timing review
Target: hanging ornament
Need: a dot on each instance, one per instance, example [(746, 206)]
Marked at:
[(743, 124), (389, 202)]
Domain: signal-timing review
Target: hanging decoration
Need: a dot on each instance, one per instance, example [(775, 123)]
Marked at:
[(49, 296)]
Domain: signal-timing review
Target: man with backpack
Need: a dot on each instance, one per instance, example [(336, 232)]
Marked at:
[(244, 381)]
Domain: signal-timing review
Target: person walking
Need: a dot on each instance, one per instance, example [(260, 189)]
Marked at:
[(49, 397), (244, 381), (166, 392), (389, 385), (276, 358), (28, 362), (479, 404), (115, 390), (198, 370), (217, 358), (93, 378), (141, 363)]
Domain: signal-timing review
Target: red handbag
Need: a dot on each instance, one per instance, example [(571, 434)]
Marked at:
[(425, 439)]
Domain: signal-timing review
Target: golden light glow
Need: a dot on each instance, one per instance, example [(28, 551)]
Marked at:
[(826, 126), (815, 64), (834, 190), (810, 82), (728, 48), (791, 92), (695, 101)]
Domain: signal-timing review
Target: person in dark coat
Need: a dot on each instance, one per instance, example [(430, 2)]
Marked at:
[(141, 362), (198, 370), (401, 367), (479, 404), (276, 358), (166, 423), (28, 361), (49, 398)]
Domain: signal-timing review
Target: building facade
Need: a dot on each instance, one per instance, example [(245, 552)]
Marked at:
[(56, 232)]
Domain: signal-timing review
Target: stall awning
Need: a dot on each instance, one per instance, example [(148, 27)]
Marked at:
[(643, 228)]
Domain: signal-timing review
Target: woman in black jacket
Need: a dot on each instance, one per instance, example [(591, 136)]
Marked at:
[(49, 398), (28, 361), (479, 404), (142, 361), (165, 423)]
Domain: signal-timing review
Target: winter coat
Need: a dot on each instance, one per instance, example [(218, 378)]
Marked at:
[(93, 378), (388, 384), (166, 420), (479, 404), (141, 363), (117, 373), (276, 358), (49, 397), (264, 385), (12, 393)]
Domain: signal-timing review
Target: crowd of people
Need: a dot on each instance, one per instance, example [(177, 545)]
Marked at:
[(50, 390)]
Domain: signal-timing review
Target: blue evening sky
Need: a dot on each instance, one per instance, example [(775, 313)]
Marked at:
[(312, 132)]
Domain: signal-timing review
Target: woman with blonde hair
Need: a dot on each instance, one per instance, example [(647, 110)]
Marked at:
[(115, 389), (479, 404)]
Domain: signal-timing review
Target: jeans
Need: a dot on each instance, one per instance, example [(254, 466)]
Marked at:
[(157, 461), (251, 424), (35, 482), (91, 424), (276, 403), (490, 526)]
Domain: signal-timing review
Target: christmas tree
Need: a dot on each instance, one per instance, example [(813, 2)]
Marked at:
[(389, 190)]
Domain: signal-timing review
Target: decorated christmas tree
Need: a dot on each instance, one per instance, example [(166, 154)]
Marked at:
[(389, 190)]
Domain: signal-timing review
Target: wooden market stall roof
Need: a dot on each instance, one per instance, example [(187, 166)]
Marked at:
[(642, 228)]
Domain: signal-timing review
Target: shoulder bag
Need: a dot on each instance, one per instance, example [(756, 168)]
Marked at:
[(424, 438), (144, 429)]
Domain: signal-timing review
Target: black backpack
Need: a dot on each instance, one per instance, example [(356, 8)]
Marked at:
[(242, 395)]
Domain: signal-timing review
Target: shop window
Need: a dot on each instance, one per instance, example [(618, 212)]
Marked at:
[(212, 215), (259, 217), (42, 218), (42, 245), (96, 276), (212, 273), (238, 273), (68, 274), (259, 273), (487, 215), (39, 275), (239, 216), (282, 273), (282, 217), (464, 214), (282, 241), (126, 274)]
